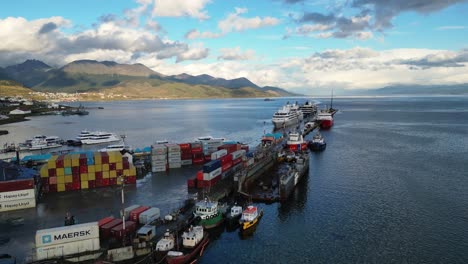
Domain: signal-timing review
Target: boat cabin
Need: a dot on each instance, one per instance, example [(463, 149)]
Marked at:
[(206, 208), (236, 210), (250, 213), (166, 243), (192, 237), (146, 233)]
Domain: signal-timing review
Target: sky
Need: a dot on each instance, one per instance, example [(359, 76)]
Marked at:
[(304, 46)]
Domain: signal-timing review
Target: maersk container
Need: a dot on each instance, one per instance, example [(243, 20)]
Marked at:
[(211, 166), (135, 214), (129, 209), (67, 234), (65, 249), (149, 215), (218, 154), (17, 204), (17, 195)]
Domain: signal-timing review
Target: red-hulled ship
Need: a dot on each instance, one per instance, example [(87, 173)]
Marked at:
[(296, 142), (194, 240), (325, 119)]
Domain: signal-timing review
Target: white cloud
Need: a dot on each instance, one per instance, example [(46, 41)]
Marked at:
[(178, 8), (235, 54), (451, 28), (195, 34), (235, 22), (197, 52)]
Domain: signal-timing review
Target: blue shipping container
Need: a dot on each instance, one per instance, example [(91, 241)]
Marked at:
[(211, 166)]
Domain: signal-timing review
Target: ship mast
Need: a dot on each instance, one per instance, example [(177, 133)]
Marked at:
[(331, 101)]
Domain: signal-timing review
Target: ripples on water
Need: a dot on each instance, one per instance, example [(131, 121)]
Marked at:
[(389, 188)]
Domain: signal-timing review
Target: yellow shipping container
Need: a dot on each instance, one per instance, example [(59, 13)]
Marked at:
[(97, 158), (84, 176), (105, 175), (44, 171), (61, 179), (119, 166), (51, 162), (113, 174), (132, 171), (105, 167), (84, 185), (68, 179), (60, 187), (67, 161), (75, 161), (126, 172), (60, 171), (91, 176), (91, 168), (98, 168)]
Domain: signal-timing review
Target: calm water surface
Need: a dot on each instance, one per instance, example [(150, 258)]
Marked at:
[(391, 187)]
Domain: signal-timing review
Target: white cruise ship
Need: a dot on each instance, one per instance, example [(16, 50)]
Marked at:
[(287, 115), (97, 137), (308, 109)]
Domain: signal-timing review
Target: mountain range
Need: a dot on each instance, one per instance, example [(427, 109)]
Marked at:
[(131, 80)]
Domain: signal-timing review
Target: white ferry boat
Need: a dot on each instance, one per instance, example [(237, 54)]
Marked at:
[(116, 147), (287, 115), (97, 137)]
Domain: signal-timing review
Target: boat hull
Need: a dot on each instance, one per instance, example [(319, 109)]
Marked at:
[(212, 222), (100, 141), (246, 225), (285, 123), (186, 258), (326, 124), (317, 146), (286, 189), (297, 147)]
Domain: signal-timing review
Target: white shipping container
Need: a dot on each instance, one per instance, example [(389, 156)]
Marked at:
[(212, 175), (218, 154), (173, 148), (174, 160), (17, 195), (186, 162), (173, 155), (159, 149), (149, 215), (175, 165), (17, 204), (129, 209), (249, 162), (157, 163), (158, 157), (158, 169), (237, 154), (67, 234), (64, 249)]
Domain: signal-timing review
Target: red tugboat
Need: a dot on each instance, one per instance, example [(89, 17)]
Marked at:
[(194, 241)]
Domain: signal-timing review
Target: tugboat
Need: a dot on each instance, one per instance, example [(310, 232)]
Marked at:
[(232, 217), (209, 214), (250, 217), (164, 245), (318, 143), (194, 240)]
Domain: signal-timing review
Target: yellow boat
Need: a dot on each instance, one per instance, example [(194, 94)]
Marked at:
[(250, 217)]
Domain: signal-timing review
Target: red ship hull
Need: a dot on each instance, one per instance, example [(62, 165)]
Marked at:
[(326, 124), (186, 258)]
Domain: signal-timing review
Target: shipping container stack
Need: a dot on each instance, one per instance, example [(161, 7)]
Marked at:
[(198, 158), (211, 173), (173, 156), (88, 170), (158, 158), (210, 146), (185, 154), (17, 187), (62, 241)]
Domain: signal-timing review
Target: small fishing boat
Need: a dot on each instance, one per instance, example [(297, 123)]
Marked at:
[(209, 214), (164, 245), (232, 217), (194, 241), (250, 217)]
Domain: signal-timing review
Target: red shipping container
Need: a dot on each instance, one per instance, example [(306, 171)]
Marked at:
[(197, 150), (76, 185), (69, 187), (104, 158), (199, 175), (112, 181), (245, 147), (98, 175), (135, 214), (45, 188), (226, 166), (83, 162), (84, 169), (199, 161), (105, 230), (237, 161), (184, 146), (91, 184), (118, 232), (45, 181), (192, 183), (226, 159), (229, 148), (52, 172), (207, 157), (186, 156), (59, 162), (126, 165), (105, 221), (105, 182), (130, 180), (52, 188), (112, 166), (76, 178), (119, 173), (76, 170)]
